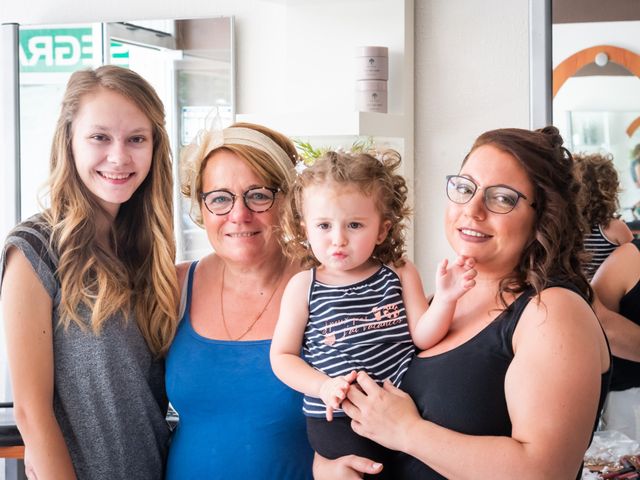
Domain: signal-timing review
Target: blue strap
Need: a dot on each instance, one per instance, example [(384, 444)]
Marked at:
[(192, 269)]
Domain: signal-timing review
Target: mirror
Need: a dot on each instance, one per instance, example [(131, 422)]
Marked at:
[(596, 86), (189, 62)]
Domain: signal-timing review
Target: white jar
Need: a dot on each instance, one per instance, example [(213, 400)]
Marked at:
[(371, 96), (372, 63)]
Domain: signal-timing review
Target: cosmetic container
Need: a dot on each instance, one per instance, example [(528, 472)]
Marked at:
[(371, 96), (372, 63)]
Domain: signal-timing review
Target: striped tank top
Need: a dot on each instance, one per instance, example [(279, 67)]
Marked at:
[(600, 247), (362, 326)]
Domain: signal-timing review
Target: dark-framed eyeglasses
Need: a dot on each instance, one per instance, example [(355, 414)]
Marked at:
[(256, 199), (497, 198)]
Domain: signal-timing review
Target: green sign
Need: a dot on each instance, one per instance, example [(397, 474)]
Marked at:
[(48, 50)]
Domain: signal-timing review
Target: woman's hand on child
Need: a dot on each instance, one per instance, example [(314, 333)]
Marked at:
[(344, 468), (383, 414), (453, 281), (334, 390)]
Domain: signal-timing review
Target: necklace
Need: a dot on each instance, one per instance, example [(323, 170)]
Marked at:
[(252, 324)]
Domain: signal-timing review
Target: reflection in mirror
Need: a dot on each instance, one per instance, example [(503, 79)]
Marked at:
[(596, 86), (189, 62)]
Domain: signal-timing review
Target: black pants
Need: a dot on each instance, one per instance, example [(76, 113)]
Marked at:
[(336, 438)]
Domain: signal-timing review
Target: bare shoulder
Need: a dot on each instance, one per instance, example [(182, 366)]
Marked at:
[(23, 294), (300, 281), (623, 260), (408, 270), (296, 293), (625, 254), (618, 232), (557, 305), (561, 319), (19, 272)]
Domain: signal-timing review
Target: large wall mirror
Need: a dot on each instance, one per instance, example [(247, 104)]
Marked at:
[(596, 85), (190, 63)]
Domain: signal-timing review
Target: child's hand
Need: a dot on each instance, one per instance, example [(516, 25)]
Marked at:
[(334, 390), (453, 281)]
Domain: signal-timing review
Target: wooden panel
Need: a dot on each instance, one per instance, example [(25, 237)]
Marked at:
[(12, 452), (631, 129), (575, 62)]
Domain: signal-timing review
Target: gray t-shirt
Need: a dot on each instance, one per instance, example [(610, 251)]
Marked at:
[(109, 395)]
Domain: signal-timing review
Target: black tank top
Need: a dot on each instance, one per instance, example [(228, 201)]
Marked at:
[(463, 389), (626, 374)]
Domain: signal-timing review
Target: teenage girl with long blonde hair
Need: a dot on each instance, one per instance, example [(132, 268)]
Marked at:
[(89, 289)]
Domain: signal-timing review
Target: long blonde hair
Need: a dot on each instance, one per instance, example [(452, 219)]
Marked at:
[(137, 274)]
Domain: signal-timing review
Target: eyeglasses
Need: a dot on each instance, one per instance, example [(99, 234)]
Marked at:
[(257, 199), (497, 198)]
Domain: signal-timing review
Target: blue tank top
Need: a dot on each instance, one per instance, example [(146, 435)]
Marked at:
[(362, 326), (237, 420)]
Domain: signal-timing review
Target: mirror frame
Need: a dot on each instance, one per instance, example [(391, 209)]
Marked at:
[(540, 64)]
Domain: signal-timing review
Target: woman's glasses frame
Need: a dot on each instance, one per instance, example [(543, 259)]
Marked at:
[(487, 195), (246, 198)]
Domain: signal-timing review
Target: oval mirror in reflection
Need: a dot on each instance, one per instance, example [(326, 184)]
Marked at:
[(596, 87)]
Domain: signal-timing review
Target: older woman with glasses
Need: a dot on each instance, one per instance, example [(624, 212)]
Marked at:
[(515, 388), (237, 420)]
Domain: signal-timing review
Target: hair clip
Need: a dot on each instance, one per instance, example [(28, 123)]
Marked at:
[(300, 166)]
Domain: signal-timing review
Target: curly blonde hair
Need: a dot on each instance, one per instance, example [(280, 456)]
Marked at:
[(373, 177), (137, 274), (599, 187)]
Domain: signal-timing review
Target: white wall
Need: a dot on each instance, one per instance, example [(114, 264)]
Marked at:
[(471, 75), (471, 72)]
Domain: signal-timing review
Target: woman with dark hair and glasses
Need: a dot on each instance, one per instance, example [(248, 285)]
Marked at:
[(515, 388), (237, 420)]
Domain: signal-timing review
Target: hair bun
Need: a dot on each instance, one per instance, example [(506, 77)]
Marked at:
[(553, 135)]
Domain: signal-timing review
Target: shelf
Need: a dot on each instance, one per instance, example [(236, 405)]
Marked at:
[(310, 124)]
